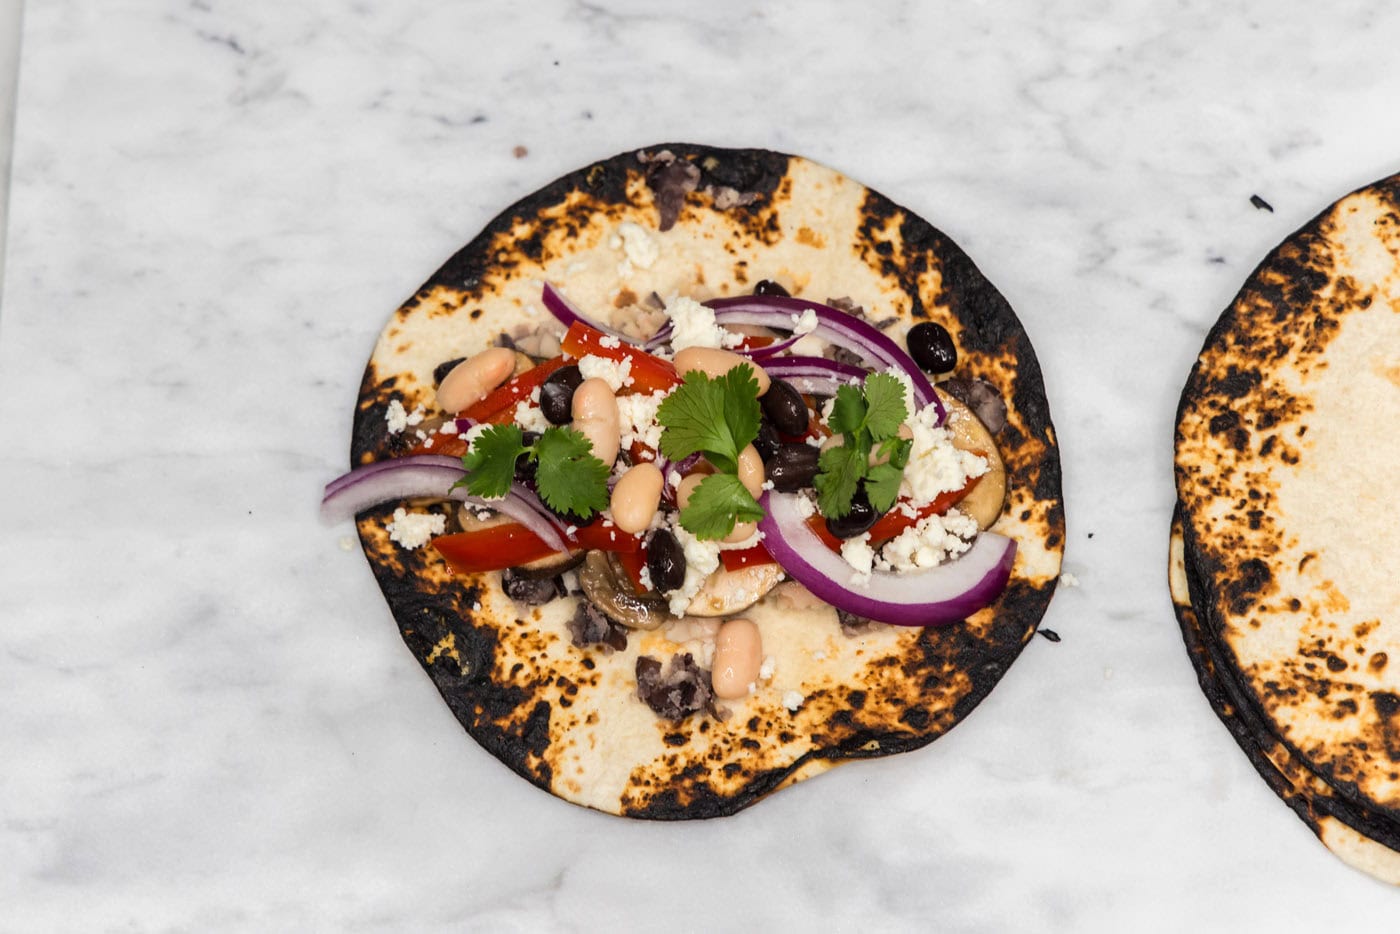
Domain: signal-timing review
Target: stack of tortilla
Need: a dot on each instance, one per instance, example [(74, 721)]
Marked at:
[(1285, 559)]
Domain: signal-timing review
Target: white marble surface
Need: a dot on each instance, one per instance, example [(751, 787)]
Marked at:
[(209, 720)]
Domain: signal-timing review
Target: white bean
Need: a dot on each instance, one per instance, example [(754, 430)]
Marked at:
[(714, 362), (473, 379), (738, 658), (636, 496), (597, 419)]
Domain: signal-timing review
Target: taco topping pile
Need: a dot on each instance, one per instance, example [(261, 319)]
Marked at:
[(677, 468)]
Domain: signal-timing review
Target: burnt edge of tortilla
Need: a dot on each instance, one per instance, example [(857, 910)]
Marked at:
[(1283, 282), (425, 617), (1231, 706)]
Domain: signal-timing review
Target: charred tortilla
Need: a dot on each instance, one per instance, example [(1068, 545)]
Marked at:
[(1285, 462), (1366, 841), (568, 719)]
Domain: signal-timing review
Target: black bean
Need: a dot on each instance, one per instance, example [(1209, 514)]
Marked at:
[(557, 395), (932, 347), (525, 466), (530, 591), (856, 522), (665, 561), (442, 369), (786, 408), (794, 467), (767, 442), (769, 287)]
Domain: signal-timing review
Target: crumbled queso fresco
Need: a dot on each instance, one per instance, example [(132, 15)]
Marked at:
[(860, 556), (637, 421), (935, 465), (615, 374), (693, 325), (804, 323), (415, 529), (395, 415), (928, 543)]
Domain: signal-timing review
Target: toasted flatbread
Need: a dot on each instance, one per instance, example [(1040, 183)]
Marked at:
[(567, 719), (1285, 462), (1368, 842)]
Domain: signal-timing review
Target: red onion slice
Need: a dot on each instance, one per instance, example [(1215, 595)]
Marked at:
[(815, 376), (834, 326), (431, 475), (868, 342), (421, 475), (933, 597), (560, 307), (769, 350)]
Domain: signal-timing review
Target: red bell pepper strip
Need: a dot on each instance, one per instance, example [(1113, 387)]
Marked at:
[(510, 545), (499, 407), (649, 373)]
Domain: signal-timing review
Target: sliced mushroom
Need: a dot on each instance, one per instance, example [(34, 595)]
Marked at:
[(607, 587), (727, 592), (985, 502), (546, 567)]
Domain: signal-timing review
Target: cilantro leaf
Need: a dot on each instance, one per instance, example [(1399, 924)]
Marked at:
[(716, 505), (882, 486), (490, 464), (693, 416), (895, 451), (847, 410), (869, 418), (717, 417), (840, 469), (886, 410), (567, 475), (742, 411)]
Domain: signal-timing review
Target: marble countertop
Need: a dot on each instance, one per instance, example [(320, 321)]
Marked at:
[(211, 722)]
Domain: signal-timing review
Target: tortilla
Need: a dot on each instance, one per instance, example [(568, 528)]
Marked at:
[(1283, 453), (1365, 841), (568, 719)]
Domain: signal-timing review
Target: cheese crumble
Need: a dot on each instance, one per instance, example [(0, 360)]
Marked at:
[(530, 417), (637, 420), (804, 323), (935, 465), (693, 325), (929, 542), (860, 556), (616, 374), (396, 416), (414, 529)]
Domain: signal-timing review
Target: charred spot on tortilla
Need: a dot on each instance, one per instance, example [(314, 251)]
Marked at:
[(566, 716)]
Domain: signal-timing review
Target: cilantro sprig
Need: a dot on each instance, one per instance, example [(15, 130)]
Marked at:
[(717, 417), (868, 418), (567, 476)]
